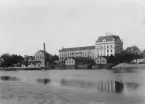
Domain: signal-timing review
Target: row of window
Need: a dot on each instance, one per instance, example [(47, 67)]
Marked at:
[(109, 51), (76, 53), (78, 56), (105, 51), (100, 61), (69, 61), (62, 58), (101, 54), (39, 57), (104, 46)]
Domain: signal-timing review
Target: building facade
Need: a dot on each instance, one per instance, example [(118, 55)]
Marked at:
[(101, 60), (42, 56), (76, 52), (108, 45), (70, 63), (105, 46)]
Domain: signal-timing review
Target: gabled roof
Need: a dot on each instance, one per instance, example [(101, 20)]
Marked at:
[(104, 57), (34, 62), (42, 51), (108, 38), (77, 48)]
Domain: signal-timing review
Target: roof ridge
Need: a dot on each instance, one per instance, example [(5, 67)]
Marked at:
[(78, 48)]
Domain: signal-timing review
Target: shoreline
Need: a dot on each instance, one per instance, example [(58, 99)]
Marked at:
[(128, 66)]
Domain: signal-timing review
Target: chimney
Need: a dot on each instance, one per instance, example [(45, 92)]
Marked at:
[(44, 46)]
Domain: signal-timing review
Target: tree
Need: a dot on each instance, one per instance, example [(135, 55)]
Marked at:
[(26, 62), (133, 52), (143, 54), (10, 60), (112, 59), (53, 58)]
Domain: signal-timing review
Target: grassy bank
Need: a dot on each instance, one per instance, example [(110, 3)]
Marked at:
[(129, 66)]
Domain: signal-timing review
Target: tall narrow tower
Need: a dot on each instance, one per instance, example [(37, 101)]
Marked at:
[(44, 46)]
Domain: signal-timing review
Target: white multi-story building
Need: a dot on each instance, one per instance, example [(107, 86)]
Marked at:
[(108, 45), (104, 46)]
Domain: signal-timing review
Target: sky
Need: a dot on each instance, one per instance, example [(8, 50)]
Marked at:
[(26, 24)]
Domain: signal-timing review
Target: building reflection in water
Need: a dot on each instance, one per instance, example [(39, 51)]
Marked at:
[(110, 86), (132, 85), (101, 86)]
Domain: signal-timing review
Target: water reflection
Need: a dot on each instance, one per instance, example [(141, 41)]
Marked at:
[(9, 78), (43, 80), (111, 86), (77, 83), (102, 86), (132, 85), (126, 70)]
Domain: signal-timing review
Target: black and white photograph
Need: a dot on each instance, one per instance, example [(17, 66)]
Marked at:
[(72, 51)]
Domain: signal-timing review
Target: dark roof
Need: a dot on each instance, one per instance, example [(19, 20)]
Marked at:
[(102, 57), (34, 62), (44, 52), (77, 48), (109, 38), (79, 58)]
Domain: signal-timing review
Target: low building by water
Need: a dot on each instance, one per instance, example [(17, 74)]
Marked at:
[(70, 63), (101, 60)]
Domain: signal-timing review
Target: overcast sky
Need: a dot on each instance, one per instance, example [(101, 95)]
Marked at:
[(26, 24)]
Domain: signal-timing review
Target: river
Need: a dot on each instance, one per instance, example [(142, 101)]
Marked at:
[(124, 87)]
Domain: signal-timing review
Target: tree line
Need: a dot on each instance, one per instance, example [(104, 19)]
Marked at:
[(11, 60), (127, 55)]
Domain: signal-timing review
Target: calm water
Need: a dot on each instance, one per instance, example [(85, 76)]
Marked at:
[(128, 84)]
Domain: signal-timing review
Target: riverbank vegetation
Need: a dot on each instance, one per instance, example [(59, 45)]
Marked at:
[(126, 56)]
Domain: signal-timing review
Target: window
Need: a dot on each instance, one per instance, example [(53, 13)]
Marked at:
[(104, 40)]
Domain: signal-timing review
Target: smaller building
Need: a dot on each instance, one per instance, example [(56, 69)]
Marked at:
[(70, 63), (35, 64), (42, 56), (101, 60), (32, 64)]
